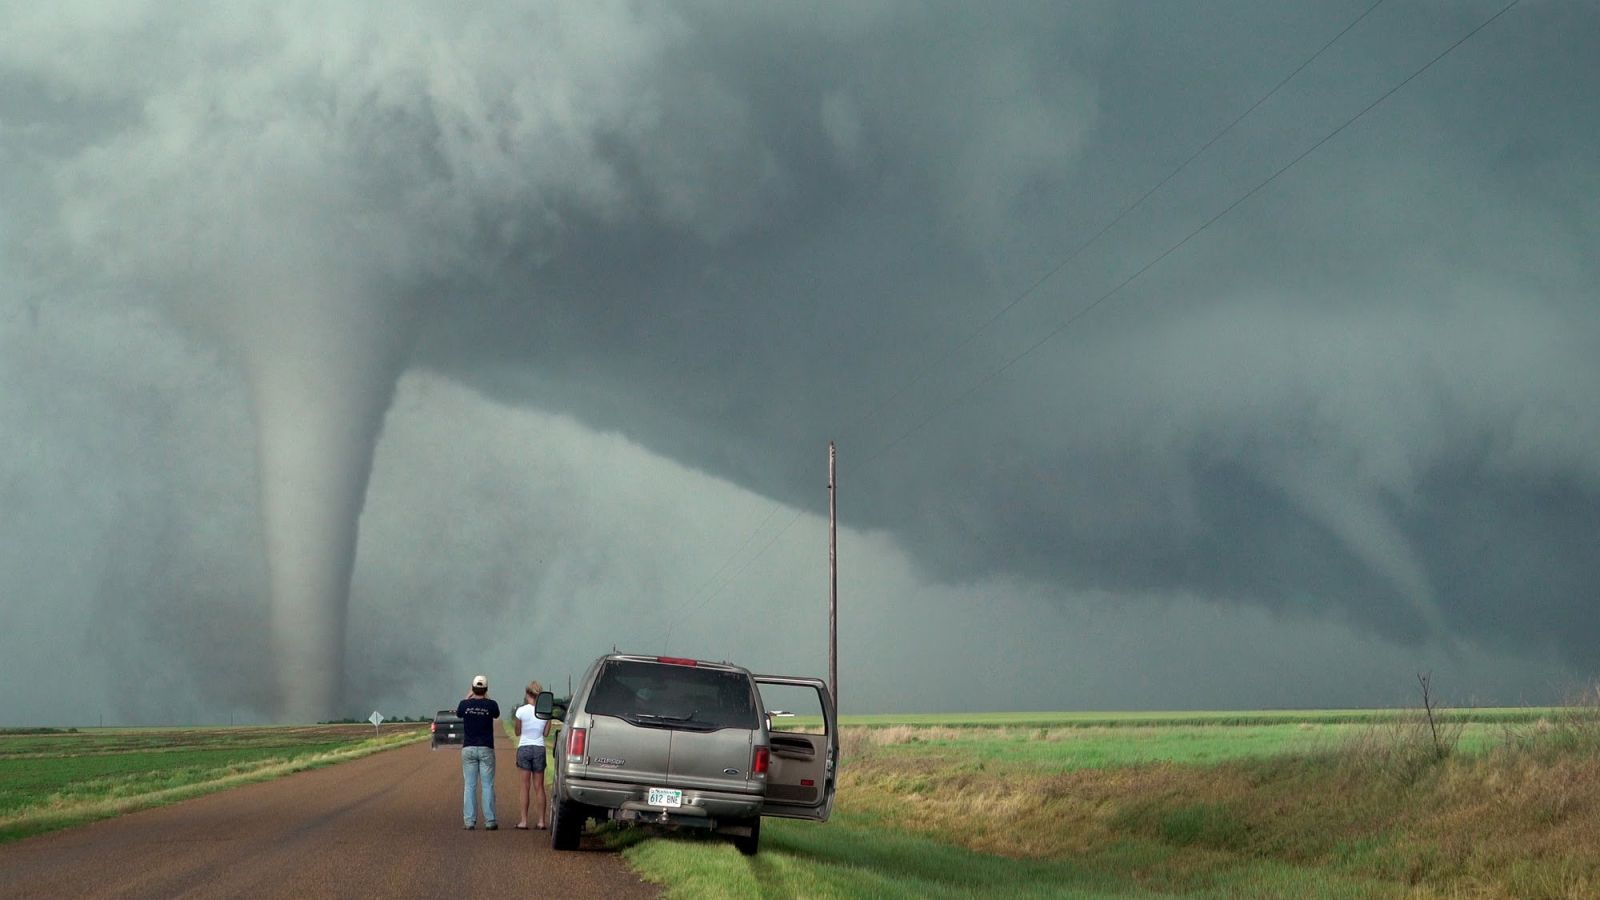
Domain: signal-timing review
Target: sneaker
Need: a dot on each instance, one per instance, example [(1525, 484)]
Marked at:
[(491, 827), (469, 826)]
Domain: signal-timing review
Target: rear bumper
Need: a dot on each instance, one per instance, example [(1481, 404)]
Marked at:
[(700, 808)]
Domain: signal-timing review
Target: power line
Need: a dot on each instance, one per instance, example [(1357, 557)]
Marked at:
[(740, 571), (1076, 316), (728, 562), (1068, 322), (927, 368)]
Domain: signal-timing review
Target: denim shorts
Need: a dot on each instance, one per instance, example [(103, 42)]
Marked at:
[(530, 758)]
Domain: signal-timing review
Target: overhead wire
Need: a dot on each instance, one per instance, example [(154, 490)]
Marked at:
[(750, 538), (928, 366), (740, 571), (1097, 302), (1077, 315), (924, 370)]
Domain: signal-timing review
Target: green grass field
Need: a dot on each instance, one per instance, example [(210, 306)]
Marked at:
[(1091, 747), (1225, 804), (52, 780), (1484, 715)]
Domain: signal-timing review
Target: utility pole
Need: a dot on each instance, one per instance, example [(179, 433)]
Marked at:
[(833, 576)]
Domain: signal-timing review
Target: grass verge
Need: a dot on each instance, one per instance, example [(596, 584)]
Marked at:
[(45, 787), (1354, 810), (850, 858)]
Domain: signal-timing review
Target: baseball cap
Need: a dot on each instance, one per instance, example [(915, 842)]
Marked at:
[(480, 681)]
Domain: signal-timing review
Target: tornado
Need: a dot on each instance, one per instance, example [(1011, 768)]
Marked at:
[(322, 373)]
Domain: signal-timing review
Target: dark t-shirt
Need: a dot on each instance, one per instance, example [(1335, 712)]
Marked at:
[(477, 721)]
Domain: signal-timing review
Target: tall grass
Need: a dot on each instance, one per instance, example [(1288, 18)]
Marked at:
[(1470, 804), (1390, 805)]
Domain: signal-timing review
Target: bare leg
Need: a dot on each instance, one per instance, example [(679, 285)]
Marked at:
[(538, 795), (526, 778)]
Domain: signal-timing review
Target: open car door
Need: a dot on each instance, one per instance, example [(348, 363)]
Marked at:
[(800, 773)]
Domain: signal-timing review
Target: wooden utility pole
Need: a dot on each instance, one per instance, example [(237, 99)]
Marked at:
[(833, 577)]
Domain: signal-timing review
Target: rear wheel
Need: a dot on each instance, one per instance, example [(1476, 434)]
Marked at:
[(566, 825), (748, 845)]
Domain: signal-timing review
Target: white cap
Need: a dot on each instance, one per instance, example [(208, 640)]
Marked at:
[(480, 681)]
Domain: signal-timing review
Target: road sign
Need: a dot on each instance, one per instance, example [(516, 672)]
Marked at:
[(376, 719)]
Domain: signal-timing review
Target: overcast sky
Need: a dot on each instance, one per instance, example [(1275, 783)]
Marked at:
[(562, 302)]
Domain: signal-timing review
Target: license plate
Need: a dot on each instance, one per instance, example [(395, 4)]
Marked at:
[(669, 797)]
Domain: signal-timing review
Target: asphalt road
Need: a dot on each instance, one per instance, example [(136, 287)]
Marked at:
[(387, 825)]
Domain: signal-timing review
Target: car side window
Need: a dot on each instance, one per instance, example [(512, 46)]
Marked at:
[(791, 707)]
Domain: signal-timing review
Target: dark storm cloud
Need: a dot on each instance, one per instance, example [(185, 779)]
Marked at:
[(1363, 390), (731, 233)]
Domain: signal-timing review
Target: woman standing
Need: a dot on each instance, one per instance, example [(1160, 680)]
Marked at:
[(530, 755)]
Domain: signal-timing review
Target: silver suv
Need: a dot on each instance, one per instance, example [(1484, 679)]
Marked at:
[(685, 743)]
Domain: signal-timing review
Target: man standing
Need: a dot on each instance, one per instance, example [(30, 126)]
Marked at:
[(478, 714)]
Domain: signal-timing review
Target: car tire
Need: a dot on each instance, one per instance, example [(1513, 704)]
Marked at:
[(566, 824), (749, 844)]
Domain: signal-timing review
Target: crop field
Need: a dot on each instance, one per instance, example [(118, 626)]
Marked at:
[(51, 779), (1066, 749), (1480, 715), (1334, 804)]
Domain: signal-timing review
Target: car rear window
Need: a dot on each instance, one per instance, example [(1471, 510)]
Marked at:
[(673, 696)]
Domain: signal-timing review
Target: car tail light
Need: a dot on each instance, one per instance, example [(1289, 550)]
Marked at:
[(433, 727), (675, 661), (577, 741), (758, 763)]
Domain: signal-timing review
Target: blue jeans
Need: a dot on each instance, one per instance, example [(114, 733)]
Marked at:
[(477, 768)]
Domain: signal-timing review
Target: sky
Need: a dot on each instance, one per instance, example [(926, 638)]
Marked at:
[(1224, 355)]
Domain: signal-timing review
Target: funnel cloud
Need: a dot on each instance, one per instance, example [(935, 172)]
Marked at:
[(346, 352)]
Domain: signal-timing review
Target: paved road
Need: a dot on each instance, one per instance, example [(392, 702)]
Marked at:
[(386, 825)]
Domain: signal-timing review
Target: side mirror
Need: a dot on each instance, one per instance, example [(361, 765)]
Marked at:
[(543, 705)]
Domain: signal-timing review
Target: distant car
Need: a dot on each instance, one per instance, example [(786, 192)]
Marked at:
[(684, 743), (447, 729)]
